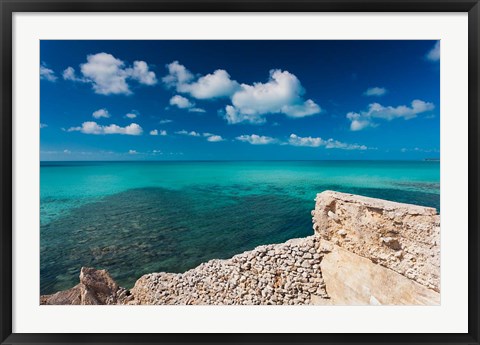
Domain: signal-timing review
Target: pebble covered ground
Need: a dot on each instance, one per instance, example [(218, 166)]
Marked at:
[(286, 274)]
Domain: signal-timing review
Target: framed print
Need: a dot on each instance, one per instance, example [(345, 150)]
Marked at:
[(254, 172)]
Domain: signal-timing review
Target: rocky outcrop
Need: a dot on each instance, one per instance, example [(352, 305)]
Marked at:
[(404, 238), (286, 273), (355, 280), (364, 251), (95, 287)]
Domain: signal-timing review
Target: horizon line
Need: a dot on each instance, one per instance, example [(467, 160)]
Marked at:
[(250, 160)]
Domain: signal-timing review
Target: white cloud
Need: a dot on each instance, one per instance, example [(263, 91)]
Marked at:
[(418, 149), (365, 119), (215, 138), (101, 113), (281, 94), (141, 73), (305, 141), (307, 108), (177, 75), (197, 110), (67, 151), (91, 127), (295, 140), (191, 133), (157, 132), (70, 74), (335, 144), (162, 122), (132, 152), (108, 75), (375, 91), (233, 116), (131, 115), (210, 137), (255, 139), (358, 125), (47, 74), (434, 54), (215, 85), (184, 103), (43, 125), (181, 102)]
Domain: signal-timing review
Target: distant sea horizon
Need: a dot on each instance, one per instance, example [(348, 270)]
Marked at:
[(433, 159), (134, 217)]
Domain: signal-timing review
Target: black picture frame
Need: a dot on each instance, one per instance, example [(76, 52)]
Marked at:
[(9, 7)]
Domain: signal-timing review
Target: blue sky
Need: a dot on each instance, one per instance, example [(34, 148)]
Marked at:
[(238, 100)]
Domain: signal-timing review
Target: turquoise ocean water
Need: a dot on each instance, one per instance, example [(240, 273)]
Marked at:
[(134, 218)]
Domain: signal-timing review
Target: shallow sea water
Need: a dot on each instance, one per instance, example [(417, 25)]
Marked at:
[(134, 218)]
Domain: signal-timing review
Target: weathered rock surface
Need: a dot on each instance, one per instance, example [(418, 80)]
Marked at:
[(404, 238), (286, 273), (355, 280), (95, 287)]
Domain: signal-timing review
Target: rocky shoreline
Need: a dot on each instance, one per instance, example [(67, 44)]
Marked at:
[(363, 251)]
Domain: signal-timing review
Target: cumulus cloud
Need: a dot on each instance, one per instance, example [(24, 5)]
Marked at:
[(109, 75), (142, 73), (131, 115), (295, 140), (70, 74), (255, 139), (434, 53), (47, 74), (335, 144), (106, 73), (132, 152), (210, 137), (215, 85), (282, 93), (157, 132), (91, 127), (177, 75), (101, 113), (215, 138), (184, 103), (43, 125), (306, 108), (233, 116), (191, 133), (375, 91), (181, 102), (162, 122), (305, 141), (366, 118), (67, 151)]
